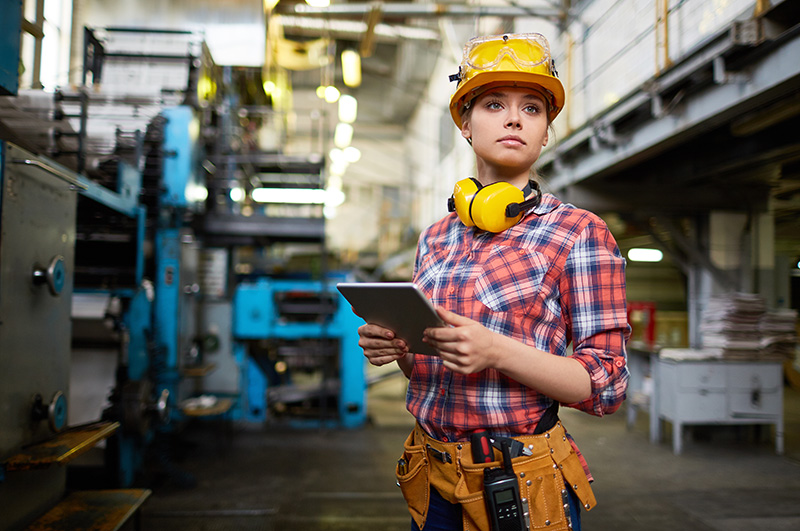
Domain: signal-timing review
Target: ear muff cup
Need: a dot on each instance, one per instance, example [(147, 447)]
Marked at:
[(463, 193), (488, 206)]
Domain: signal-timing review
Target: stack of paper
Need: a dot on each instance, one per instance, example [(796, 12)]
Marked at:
[(731, 322), (779, 333)]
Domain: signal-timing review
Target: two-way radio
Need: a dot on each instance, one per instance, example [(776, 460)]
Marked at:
[(505, 508)]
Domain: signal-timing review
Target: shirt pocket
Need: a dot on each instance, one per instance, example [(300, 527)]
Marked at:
[(428, 276), (511, 278)]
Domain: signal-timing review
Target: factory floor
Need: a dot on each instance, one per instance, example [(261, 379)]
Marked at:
[(282, 479)]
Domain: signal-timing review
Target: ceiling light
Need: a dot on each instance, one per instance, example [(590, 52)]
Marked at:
[(348, 109), (338, 168), (298, 196), (639, 254), (343, 135), (331, 94), (321, 91), (237, 194), (352, 154), (336, 155), (269, 5), (351, 68)]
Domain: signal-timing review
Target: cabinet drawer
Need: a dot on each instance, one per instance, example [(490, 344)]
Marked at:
[(701, 406), (701, 376), (748, 377), (755, 403)]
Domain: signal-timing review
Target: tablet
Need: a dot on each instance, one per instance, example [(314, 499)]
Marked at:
[(398, 306)]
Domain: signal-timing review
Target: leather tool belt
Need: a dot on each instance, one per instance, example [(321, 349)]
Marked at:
[(448, 467)]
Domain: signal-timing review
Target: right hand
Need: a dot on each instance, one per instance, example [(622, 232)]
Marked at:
[(380, 345)]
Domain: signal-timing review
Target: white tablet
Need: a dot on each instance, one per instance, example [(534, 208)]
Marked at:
[(398, 306)]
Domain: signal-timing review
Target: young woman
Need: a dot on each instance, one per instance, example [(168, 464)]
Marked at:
[(517, 287)]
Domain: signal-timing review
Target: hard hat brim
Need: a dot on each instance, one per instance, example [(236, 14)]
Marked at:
[(483, 81)]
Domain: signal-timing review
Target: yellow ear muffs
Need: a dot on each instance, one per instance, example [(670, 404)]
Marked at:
[(493, 208), (488, 208)]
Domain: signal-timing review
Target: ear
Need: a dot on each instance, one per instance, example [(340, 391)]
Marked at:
[(466, 129), (546, 137)]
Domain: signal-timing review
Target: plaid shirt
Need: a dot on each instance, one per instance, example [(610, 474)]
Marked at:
[(555, 278)]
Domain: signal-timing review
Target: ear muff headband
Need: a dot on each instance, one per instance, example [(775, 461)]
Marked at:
[(493, 208)]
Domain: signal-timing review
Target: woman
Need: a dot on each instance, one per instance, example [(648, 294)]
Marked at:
[(516, 286)]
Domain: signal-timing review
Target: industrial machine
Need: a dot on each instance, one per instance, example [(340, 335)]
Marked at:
[(123, 287), (297, 345)]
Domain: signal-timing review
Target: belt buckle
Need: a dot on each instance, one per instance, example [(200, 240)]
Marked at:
[(444, 457)]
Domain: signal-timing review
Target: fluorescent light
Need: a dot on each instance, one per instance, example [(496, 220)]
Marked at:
[(297, 196), (343, 135), (639, 254), (348, 109), (270, 4), (318, 3), (351, 68)]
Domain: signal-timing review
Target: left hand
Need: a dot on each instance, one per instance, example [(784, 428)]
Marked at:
[(466, 346)]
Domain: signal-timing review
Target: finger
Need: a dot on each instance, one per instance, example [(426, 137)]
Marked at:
[(453, 318), (373, 330)]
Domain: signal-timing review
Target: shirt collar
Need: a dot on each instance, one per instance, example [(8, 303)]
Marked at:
[(548, 203)]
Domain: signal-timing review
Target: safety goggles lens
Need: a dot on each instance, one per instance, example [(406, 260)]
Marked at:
[(526, 50)]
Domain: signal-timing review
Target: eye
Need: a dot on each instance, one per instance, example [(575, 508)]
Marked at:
[(494, 105), (533, 108)]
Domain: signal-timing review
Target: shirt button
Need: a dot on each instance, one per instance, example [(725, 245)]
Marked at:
[(520, 252), (619, 363), (445, 439), (442, 392), (452, 289)]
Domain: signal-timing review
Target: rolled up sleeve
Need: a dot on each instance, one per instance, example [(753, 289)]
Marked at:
[(594, 303)]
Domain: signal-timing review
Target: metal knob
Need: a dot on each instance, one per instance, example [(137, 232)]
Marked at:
[(54, 275), (55, 412)]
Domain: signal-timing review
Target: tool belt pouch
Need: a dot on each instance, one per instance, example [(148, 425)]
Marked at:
[(543, 479), (412, 477)]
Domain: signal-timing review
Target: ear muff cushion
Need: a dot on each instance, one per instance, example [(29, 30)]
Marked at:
[(488, 210), (463, 193)]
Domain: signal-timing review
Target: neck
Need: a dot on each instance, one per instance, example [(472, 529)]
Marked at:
[(491, 174)]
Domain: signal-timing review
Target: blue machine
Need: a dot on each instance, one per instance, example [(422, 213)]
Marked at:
[(10, 27), (287, 314)]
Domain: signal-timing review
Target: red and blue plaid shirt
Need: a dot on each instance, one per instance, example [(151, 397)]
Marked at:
[(554, 279)]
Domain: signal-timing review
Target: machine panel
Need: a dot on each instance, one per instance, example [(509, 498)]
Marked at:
[(37, 238)]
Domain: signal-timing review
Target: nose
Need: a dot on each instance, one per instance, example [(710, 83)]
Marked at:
[(513, 121)]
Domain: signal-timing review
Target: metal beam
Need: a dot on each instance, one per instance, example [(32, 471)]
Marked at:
[(429, 10), (775, 73)]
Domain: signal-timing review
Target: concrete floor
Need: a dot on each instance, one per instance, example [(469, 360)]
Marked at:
[(282, 479)]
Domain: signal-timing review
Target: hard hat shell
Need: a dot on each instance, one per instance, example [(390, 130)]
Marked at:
[(511, 60)]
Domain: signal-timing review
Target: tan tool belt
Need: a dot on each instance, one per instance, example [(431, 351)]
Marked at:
[(448, 467)]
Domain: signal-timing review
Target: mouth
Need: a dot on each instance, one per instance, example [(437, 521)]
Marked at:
[(511, 139)]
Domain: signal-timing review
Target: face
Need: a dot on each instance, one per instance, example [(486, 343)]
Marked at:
[(508, 129)]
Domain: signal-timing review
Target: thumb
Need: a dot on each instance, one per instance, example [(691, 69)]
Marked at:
[(453, 318)]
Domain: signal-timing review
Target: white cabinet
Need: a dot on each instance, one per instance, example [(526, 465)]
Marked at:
[(715, 392)]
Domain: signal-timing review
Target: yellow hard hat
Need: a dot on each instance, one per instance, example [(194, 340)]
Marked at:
[(517, 60)]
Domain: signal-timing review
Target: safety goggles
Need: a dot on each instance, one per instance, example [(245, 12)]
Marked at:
[(526, 50)]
